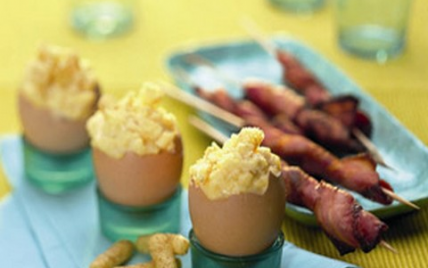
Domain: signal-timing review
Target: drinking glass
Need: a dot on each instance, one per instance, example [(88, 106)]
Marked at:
[(299, 6), (102, 18), (373, 29)]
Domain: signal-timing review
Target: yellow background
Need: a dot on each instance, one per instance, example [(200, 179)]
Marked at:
[(165, 25)]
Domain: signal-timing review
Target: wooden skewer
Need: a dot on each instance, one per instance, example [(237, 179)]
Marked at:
[(202, 105), (370, 147), (400, 199), (209, 130), (198, 60), (386, 245), (212, 132), (270, 48), (256, 33), (183, 76)]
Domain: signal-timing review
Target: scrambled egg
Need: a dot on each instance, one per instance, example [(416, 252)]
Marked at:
[(58, 80), (241, 166), (135, 123)]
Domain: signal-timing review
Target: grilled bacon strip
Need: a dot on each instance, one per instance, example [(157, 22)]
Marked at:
[(344, 108), (342, 219), (299, 78), (328, 132), (315, 124), (356, 173), (282, 122), (273, 99)]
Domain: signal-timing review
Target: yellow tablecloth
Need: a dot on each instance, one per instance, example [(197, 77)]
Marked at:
[(162, 26)]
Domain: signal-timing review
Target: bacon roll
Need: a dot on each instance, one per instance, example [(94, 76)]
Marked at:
[(342, 219)]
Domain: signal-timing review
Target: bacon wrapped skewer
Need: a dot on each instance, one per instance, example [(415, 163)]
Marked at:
[(247, 109), (344, 108), (357, 173), (316, 124), (342, 219), (279, 102), (301, 79)]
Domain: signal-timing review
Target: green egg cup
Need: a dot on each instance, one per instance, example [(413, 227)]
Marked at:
[(128, 222), (202, 257), (57, 173)]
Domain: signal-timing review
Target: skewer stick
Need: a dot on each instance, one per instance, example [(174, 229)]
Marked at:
[(198, 60), (206, 128), (256, 33), (270, 48), (386, 245), (183, 76), (399, 198), (202, 105), (370, 147)]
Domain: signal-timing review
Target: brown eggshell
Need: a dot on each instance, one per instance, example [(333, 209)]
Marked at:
[(240, 225), (49, 132), (135, 180)]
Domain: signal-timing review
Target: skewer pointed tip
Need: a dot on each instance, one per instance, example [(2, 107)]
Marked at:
[(371, 148), (385, 165), (400, 199), (386, 245)]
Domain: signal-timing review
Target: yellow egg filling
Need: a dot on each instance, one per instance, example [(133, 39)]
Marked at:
[(59, 80), (136, 123), (240, 166)]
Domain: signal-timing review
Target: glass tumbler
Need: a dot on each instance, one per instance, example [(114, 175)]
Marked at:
[(298, 6), (99, 19), (372, 29)]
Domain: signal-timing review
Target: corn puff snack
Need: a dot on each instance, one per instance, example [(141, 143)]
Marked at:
[(117, 254), (163, 248)]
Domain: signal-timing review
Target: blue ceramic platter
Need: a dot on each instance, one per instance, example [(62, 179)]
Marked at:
[(241, 59)]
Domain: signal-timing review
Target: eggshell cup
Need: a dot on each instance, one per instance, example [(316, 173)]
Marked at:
[(51, 133), (240, 225), (135, 180)]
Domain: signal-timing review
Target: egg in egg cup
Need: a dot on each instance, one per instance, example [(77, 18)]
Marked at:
[(138, 159), (58, 94), (236, 204)]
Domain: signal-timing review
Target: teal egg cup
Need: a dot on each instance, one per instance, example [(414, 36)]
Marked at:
[(129, 222), (57, 173), (202, 257)]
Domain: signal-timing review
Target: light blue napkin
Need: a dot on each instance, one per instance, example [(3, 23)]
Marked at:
[(40, 230)]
